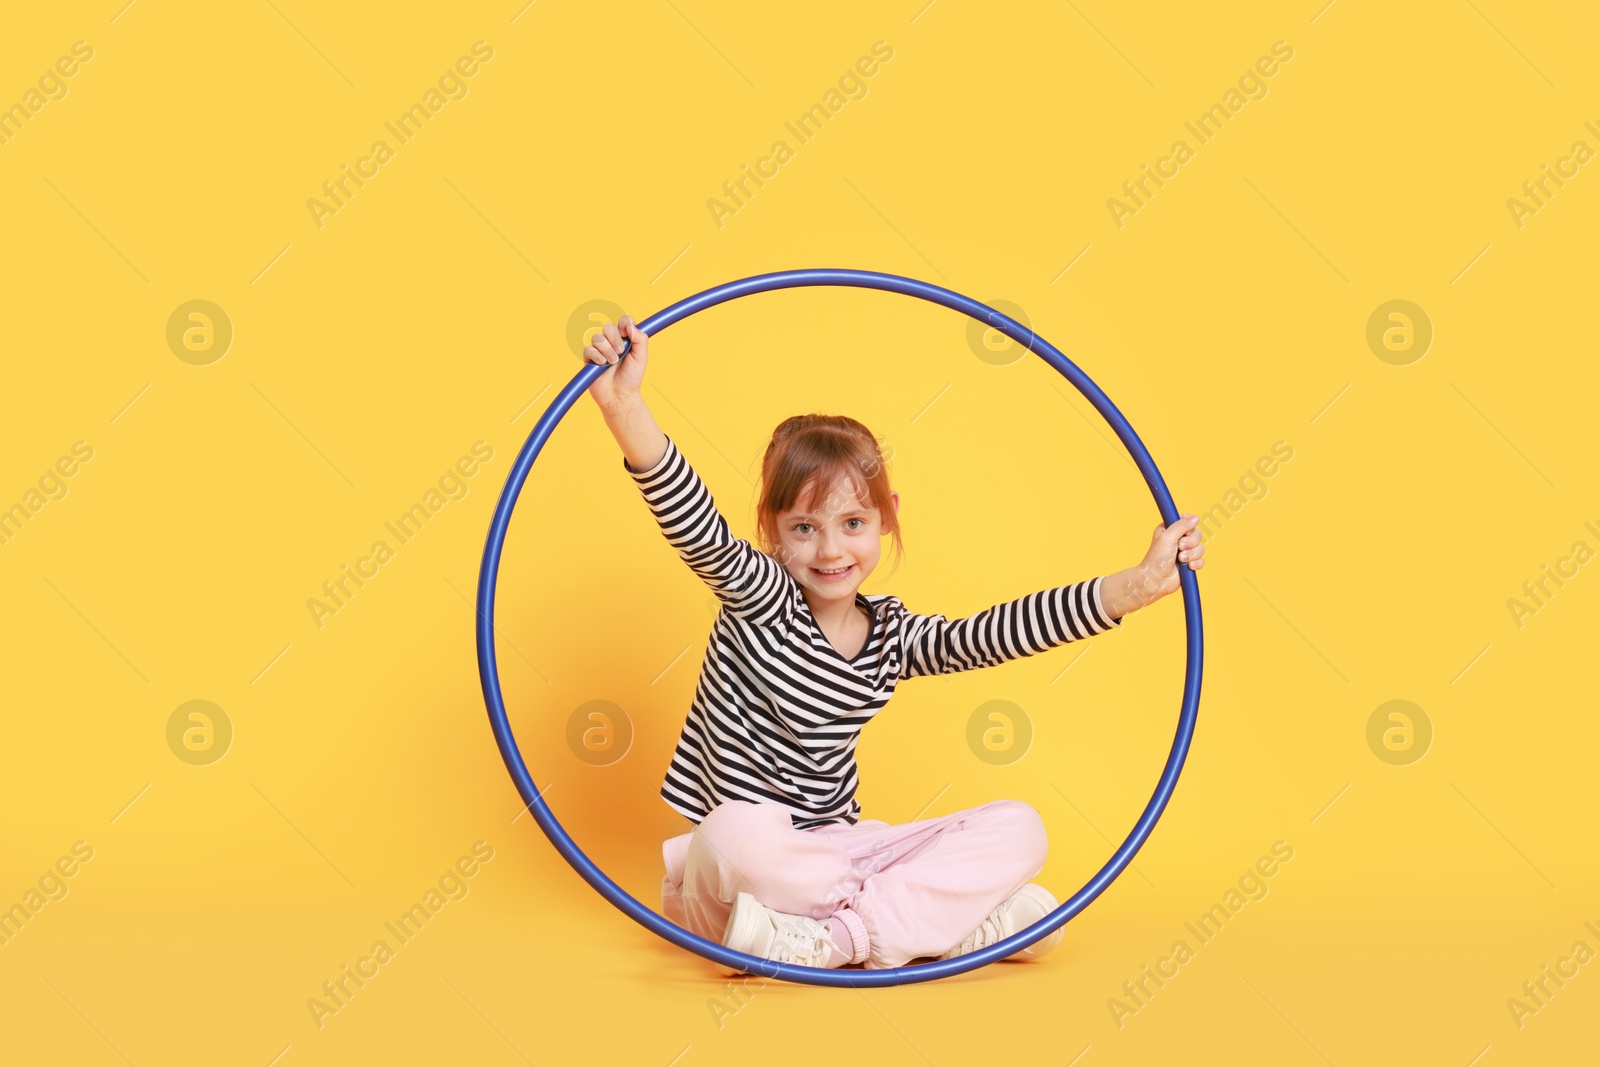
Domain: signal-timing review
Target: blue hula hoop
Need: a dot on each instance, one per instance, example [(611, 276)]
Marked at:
[(860, 979)]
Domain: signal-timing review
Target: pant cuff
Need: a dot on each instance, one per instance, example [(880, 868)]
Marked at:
[(858, 935)]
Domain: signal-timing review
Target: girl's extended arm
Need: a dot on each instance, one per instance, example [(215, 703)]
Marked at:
[(932, 644)]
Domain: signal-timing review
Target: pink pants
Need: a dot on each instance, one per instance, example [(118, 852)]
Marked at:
[(902, 892)]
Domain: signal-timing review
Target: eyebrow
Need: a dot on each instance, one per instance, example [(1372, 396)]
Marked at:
[(843, 515)]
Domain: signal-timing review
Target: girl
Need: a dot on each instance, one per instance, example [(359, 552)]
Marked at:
[(780, 865)]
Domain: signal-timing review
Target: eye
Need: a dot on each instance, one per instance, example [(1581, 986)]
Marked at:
[(796, 526), (863, 523)]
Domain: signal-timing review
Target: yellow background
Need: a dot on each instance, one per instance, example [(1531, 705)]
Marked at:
[(432, 311)]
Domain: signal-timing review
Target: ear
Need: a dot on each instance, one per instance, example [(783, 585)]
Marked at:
[(894, 498)]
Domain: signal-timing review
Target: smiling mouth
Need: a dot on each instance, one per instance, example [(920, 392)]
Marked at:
[(833, 575)]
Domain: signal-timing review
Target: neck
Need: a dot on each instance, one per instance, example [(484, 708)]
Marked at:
[(831, 611)]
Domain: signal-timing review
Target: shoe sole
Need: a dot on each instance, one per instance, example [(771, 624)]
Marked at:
[(738, 929)]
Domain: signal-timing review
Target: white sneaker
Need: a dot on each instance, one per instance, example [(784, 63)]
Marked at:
[(757, 930), (1018, 912)]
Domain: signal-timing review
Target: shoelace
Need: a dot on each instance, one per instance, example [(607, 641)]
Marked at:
[(794, 944), (988, 932)]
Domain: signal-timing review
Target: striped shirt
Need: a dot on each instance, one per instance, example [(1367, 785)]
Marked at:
[(777, 710)]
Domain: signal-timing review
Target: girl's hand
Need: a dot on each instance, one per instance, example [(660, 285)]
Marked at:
[(615, 390), (1169, 546)]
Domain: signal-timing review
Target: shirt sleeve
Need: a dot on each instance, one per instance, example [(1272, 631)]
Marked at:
[(932, 644), (751, 584)]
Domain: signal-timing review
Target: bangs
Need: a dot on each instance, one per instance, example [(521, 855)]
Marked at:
[(826, 477)]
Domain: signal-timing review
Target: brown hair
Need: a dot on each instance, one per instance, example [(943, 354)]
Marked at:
[(821, 449)]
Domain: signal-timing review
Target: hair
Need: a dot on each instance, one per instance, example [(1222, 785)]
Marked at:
[(819, 450)]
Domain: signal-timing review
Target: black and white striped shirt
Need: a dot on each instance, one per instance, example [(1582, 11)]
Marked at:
[(777, 710)]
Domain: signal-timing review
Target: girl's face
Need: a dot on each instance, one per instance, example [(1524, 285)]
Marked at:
[(830, 551)]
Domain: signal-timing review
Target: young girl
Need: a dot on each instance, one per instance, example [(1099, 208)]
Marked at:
[(780, 865)]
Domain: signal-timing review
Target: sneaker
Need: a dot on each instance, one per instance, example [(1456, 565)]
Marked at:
[(757, 930), (1019, 911)]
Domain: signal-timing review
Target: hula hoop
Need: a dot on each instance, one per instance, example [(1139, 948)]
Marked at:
[(488, 671)]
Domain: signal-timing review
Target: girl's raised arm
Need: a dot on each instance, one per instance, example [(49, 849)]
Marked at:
[(749, 582), (616, 392)]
